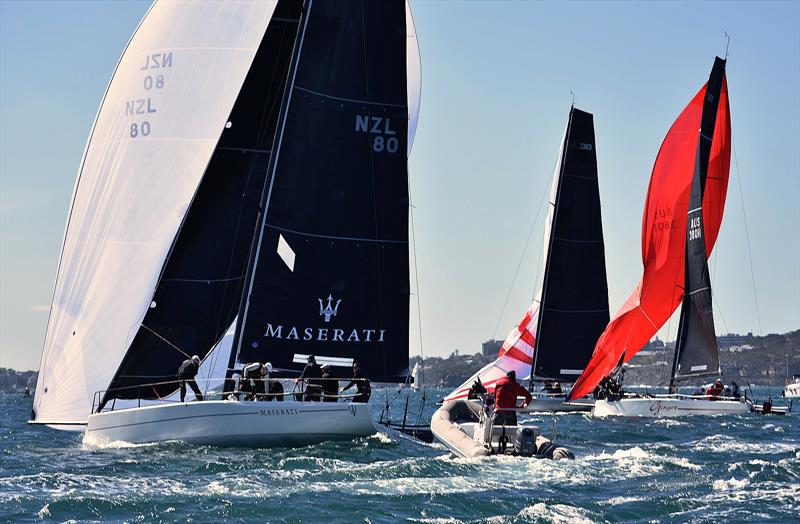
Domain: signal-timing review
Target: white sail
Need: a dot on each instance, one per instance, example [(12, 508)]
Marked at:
[(414, 76), (163, 112)]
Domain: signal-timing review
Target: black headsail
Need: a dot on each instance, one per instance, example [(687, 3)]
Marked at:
[(198, 293), (696, 352), (329, 275), (573, 311)]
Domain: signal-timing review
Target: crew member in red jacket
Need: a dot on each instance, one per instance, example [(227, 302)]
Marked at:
[(506, 391)]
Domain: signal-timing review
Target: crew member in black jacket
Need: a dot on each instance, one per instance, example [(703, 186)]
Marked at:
[(186, 374), (330, 386), (361, 383), (311, 376)]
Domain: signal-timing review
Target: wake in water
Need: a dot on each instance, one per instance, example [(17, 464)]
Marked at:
[(693, 469)]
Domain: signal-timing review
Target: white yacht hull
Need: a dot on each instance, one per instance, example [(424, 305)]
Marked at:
[(792, 390), (233, 423), (668, 407), (461, 426), (559, 404)]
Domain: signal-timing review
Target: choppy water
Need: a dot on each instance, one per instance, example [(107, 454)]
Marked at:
[(701, 469)]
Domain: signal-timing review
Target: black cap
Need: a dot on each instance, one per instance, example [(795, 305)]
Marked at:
[(512, 374), (312, 359)]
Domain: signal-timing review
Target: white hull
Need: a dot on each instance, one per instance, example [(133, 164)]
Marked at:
[(463, 428), (668, 407), (559, 404), (792, 390), (233, 423)]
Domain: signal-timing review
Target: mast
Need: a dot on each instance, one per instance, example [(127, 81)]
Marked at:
[(696, 351), (267, 191)]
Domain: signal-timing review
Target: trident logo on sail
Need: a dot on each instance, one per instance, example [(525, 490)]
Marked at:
[(327, 310)]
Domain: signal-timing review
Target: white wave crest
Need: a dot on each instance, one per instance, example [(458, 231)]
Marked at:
[(731, 484), (726, 443), (556, 513)]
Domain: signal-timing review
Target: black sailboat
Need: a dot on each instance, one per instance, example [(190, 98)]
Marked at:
[(555, 338), (704, 159), (696, 351), (297, 230)]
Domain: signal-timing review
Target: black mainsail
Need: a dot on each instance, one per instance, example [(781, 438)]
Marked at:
[(573, 309), (198, 293), (555, 338), (328, 273), (696, 351)]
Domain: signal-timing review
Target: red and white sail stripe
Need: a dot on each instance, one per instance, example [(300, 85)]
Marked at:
[(516, 354)]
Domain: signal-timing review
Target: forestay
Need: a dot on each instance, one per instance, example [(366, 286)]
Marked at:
[(161, 117)]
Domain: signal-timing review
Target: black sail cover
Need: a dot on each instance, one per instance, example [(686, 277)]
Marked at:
[(337, 205), (197, 296), (574, 302), (696, 352)]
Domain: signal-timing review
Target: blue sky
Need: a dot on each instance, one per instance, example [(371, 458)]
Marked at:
[(496, 93)]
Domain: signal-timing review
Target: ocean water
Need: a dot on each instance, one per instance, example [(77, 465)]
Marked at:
[(696, 469)]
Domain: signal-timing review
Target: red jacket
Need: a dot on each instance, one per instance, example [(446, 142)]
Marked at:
[(506, 392)]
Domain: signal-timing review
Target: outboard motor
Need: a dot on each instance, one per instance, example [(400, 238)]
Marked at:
[(525, 443)]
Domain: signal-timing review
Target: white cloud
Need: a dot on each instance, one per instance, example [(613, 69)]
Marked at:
[(39, 308)]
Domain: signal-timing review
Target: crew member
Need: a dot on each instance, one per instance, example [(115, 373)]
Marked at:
[(735, 390), (476, 390), (363, 388), (330, 386), (274, 388), (506, 391), (715, 390), (311, 375), (186, 374)]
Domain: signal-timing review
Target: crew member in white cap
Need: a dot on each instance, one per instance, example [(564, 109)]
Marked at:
[(274, 388)]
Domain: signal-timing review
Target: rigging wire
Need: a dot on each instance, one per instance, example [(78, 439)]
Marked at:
[(542, 200), (747, 237), (417, 288)]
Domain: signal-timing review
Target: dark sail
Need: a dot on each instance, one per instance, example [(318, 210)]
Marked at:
[(696, 352), (574, 302), (337, 203), (198, 294)]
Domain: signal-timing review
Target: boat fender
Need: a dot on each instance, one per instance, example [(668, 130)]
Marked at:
[(546, 449), (563, 453)]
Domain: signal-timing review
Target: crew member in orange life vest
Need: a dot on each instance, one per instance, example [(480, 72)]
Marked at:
[(506, 391)]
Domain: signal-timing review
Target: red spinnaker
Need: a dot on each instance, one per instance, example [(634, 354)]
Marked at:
[(660, 289)]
